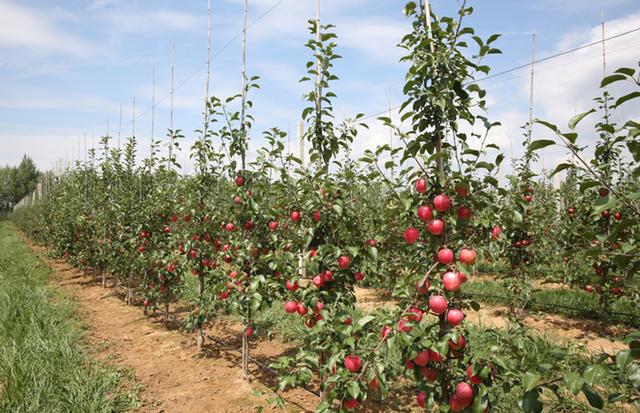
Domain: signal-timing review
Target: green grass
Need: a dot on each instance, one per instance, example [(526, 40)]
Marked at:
[(44, 364), (571, 303)]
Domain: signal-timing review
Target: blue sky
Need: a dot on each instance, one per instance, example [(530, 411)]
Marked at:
[(67, 66)]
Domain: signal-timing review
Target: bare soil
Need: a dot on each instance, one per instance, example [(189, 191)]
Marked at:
[(174, 377), (588, 333)]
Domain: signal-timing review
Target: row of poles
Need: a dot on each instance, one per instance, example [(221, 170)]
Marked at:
[(60, 166)]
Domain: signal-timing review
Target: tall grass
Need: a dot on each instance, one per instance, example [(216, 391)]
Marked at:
[(44, 366)]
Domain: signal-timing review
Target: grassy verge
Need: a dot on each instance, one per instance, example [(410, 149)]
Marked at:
[(44, 366)]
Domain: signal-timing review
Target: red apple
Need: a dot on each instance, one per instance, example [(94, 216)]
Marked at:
[(249, 331), (421, 398), (291, 285), (464, 391), (603, 192), (353, 363), (318, 281), (442, 203), (528, 198), (462, 190), (316, 216), (230, 227), (411, 235), (422, 358), (459, 345), (464, 213), (421, 185), (425, 213), (436, 227), (454, 317), (445, 256), (359, 276), (295, 216), (350, 404), (495, 232), (343, 262), (467, 256), (239, 180), (473, 378), (451, 281), (302, 310), (438, 304), (429, 374), (290, 307), (273, 225)]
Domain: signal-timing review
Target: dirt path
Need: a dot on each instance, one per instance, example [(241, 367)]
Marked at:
[(173, 376), (588, 333)]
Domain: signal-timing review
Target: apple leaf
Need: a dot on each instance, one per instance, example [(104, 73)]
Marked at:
[(540, 144), (531, 403), (594, 399), (530, 380), (576, 119)]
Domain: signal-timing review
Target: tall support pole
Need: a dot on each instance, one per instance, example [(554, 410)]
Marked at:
[(390, 129), (171, 93), (120, 126), (604, 67), (301, 141), (319, 73), (208, 76), (244, 84), (427, 22), (531, 80), (133, 118), (153, 116)]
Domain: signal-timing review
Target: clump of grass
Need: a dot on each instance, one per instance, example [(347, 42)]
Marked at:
[(43, 364)]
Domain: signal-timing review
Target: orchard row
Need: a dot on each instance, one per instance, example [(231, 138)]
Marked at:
[(415, 220)]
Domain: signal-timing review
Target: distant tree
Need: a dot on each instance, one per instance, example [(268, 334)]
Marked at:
[(17, 182)]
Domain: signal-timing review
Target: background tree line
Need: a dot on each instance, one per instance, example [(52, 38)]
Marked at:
[(16, 182)]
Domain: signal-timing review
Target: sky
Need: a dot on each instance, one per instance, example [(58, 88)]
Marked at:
[(68, 66)]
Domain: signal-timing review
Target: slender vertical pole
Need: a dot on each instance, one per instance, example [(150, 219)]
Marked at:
[(533, 59), (427, 17), (604, 67), (301, 141), (133, 119), (244, 83), (427, 22), (153, 114), (172, 92), (208, 77), (120, 127), (390, 129)]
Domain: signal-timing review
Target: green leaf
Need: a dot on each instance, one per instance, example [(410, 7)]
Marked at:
[(354, 389), (530, 402), (530, 380), (540, 144), (626, 98), (365, 320), (612, 79), (594, 399), (562, 167), (574, 382), (626, 71), (594, 374), (576, 119)]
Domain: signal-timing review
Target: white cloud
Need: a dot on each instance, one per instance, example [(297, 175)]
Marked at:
[(126, 20), (22, 27)]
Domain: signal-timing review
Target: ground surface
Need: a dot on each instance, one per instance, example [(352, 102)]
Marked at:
[(175, 378)]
